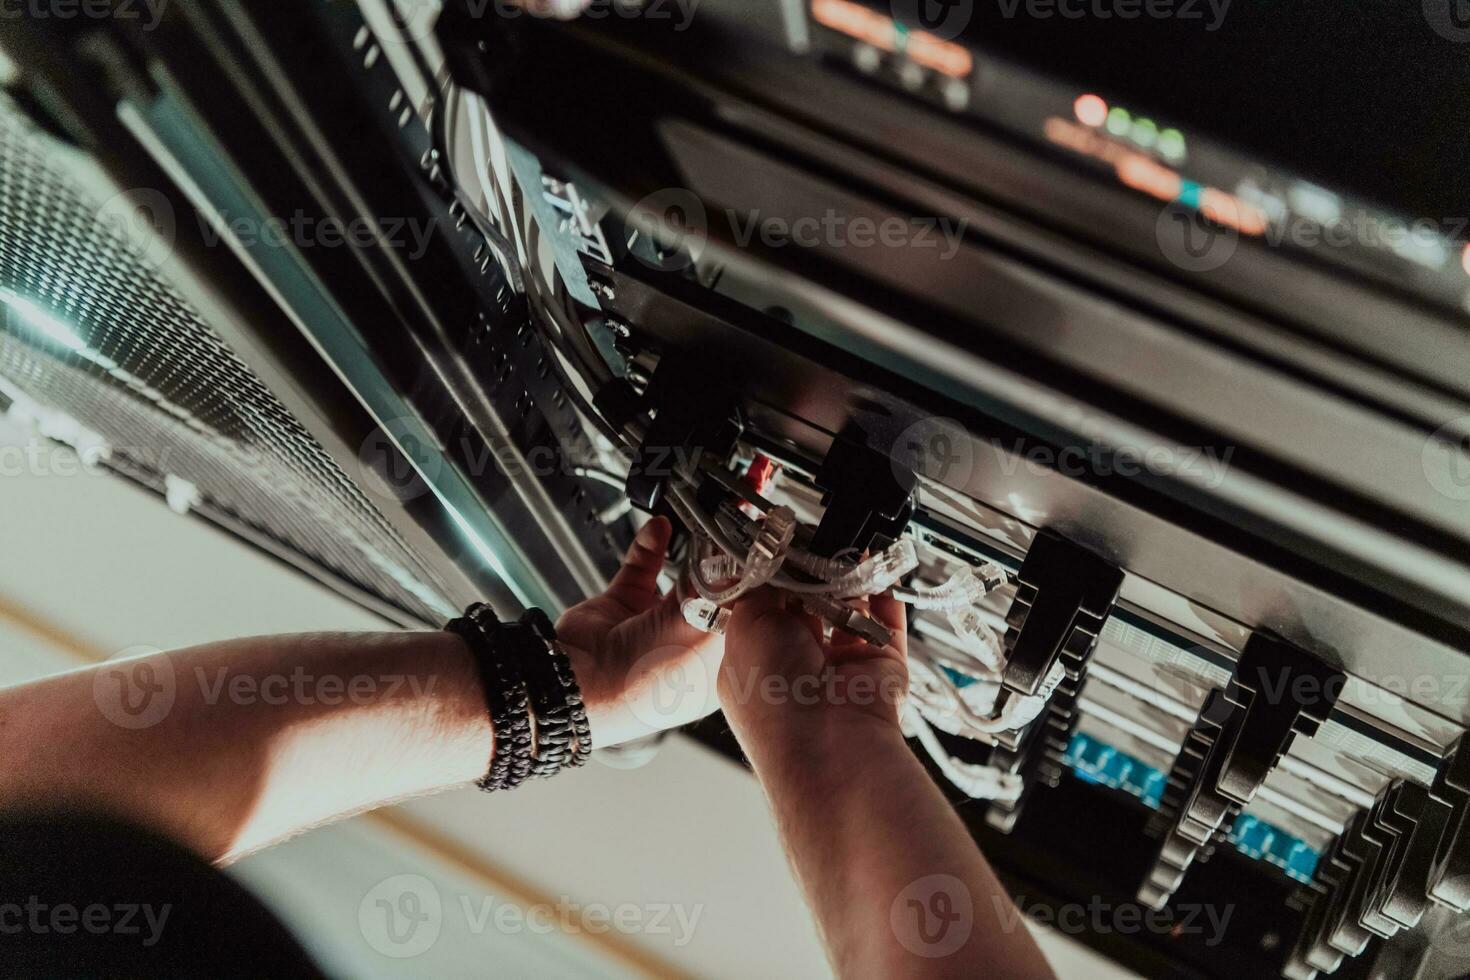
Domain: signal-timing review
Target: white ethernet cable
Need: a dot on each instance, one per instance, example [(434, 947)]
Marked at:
[(762, 562), (875, 576), (976, 637), (964, 588), (969, 712), (977, 782), (742, 554)]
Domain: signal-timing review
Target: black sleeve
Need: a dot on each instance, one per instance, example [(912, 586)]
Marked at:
[(82, 896)]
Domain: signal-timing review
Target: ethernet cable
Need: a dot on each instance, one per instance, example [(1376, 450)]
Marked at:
[(734, 553), (976, 781)]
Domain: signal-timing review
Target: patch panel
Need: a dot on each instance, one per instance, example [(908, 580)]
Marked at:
[(1093, 760)]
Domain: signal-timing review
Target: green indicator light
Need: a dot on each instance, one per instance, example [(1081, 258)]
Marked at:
[(1171, 144), (1119, 121), (1145, 133), (900, 36)]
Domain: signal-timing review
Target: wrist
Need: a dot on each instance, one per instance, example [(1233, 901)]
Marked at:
[(814, 742)]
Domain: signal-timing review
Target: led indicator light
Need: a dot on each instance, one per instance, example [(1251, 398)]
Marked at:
[(1171, 145), (1145, 133), (1119, 121), (1091, 110)]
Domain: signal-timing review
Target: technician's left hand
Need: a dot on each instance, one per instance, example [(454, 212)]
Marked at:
[(641, 667)]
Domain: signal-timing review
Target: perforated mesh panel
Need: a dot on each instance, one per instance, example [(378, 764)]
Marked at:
[(92, 331)]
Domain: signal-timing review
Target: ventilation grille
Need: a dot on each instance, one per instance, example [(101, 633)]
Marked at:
[(91, 332)]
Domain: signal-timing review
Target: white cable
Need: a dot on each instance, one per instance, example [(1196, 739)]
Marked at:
[(964, 588), (976, 637), (977, 782), (875, 576), (1015, 713), (767, 552)]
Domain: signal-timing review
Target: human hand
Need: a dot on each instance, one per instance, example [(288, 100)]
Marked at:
[(779, 673), (630, 648)]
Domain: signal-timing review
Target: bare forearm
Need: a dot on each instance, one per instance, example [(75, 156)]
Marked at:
[(898, 886), (231, 746)]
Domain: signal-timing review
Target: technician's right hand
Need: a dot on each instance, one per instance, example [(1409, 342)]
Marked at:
[(781, 680), (865, 828)]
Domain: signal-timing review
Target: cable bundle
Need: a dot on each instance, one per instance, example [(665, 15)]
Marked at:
[(955, 688)]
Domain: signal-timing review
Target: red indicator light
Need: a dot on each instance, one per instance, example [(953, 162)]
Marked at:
[(1091, 110)]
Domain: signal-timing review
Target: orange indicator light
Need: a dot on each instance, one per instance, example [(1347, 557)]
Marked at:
[(882, 32), (1091, 110)]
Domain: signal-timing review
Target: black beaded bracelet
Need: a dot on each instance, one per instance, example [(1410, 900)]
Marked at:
[(506, 699), (531, 693), (563, 735)]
